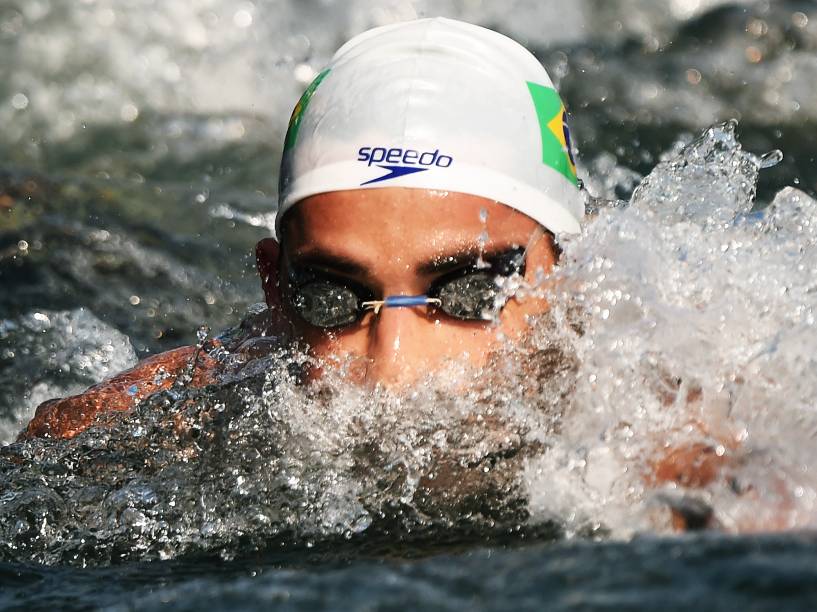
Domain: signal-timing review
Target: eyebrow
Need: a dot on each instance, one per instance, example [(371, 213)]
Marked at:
[(334, 263), (446, 263), (437, 265)]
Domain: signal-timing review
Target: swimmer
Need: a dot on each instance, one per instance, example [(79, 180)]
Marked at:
[(428, 159)]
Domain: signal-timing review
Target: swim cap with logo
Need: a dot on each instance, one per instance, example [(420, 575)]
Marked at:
[(435, 104)]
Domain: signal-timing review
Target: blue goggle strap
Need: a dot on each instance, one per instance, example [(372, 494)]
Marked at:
[(400, 301)]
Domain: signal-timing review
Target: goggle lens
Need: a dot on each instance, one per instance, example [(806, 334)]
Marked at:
[(324, 303), (469, 295)]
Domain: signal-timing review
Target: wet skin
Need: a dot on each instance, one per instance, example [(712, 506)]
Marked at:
[(372, 238)]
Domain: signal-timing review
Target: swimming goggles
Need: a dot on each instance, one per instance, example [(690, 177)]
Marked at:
[(469, 293)]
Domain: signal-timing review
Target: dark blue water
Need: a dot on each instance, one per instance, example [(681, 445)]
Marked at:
[(702, 573)]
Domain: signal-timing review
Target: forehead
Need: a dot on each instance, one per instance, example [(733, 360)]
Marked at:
[(418, 221)]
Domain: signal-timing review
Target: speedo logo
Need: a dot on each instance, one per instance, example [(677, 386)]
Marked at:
[(400, 162)]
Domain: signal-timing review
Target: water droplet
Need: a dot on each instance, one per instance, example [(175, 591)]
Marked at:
[(799, 19), (304, 73), (242, 18), (754, 55), (19, 101), (129, 112), (693, 76), (772, 158)]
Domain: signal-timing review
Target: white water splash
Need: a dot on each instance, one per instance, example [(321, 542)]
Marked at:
[(698, 326)]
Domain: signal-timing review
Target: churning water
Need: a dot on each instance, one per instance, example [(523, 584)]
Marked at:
[(136, 163)]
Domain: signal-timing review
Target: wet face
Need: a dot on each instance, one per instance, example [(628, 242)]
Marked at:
[(398, 241)]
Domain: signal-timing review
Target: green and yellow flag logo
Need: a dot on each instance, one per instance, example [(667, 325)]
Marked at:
[(556, 151), (300, 109)]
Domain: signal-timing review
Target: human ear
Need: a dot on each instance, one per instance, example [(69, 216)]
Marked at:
[(267, 256)]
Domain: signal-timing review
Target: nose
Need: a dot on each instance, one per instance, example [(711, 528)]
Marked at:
[(402, 346)]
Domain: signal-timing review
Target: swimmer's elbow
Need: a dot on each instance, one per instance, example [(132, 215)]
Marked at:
[(70, 416)]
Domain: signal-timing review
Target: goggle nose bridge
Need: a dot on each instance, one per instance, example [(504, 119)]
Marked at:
[(400, 301)]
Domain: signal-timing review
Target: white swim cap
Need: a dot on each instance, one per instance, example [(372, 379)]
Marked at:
[(435, 104)]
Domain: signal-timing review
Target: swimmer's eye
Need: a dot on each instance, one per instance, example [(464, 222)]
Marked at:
[(470, 296), (326, 304), (324, 300), (470, 293)]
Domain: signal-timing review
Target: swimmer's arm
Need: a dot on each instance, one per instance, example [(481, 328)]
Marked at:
[(709, 459), (692, 466), (715, 460), (769, 504), (67, 417)]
